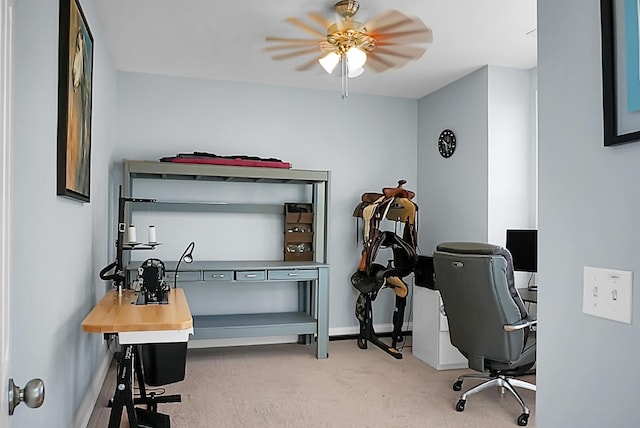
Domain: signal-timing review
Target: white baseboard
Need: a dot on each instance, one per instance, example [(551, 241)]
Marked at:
[(81, 420), (343, 331)]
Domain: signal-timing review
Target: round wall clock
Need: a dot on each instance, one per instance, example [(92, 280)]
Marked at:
[(447, 143)]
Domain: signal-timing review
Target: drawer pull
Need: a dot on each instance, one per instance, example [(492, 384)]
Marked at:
[(293, 274), (250, 275), (217, 275)]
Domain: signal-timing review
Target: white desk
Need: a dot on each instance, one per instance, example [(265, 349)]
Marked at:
[(431, 342)]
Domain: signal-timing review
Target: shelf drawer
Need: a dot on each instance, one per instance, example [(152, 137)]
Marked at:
[(218, 275), (250, 275), (293, 274), (188, 276)]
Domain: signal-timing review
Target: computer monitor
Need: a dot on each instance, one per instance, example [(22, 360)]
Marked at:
[(523, 246)]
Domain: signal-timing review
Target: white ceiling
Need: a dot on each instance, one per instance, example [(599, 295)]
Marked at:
[(223, 40)]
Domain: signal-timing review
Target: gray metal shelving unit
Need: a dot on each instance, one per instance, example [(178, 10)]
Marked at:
[(312, 277)]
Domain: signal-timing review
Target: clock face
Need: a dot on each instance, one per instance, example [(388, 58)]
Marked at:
[(447, 143)]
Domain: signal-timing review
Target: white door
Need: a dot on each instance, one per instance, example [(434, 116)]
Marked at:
[(6, 15)]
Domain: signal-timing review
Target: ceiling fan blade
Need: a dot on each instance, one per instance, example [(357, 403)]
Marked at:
[(395, 59), (291, 46), (377, 63), (295, 53), (305, 27), (414, 36), (290, 40), (320, 20), (409, 52), (388, 21), (309, 64)]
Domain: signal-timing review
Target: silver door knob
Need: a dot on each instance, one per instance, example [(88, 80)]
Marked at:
[(32, 394)]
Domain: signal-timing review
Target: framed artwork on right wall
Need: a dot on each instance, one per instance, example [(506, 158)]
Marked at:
[(620, 27)]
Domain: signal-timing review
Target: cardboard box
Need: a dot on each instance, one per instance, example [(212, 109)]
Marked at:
[(292, 237), (298, 232), (298, 213), (306, 256)]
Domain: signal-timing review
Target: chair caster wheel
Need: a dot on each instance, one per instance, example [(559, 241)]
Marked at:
[(362, 343), (523, 419), (457, 386), (460, 406)]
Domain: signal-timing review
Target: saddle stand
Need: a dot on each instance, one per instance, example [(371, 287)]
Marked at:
[(393, 204), (364, 313)]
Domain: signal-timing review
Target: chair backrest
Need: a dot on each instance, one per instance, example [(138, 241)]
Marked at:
[(479, 295)]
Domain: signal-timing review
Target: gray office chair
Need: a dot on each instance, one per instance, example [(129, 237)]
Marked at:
[(488, 322)]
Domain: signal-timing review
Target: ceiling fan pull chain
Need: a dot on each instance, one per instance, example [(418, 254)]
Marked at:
[(344, 77)]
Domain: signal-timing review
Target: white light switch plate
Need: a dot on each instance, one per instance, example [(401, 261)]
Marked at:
[(607, 293)]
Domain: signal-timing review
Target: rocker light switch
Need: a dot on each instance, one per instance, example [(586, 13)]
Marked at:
[(607, 293)]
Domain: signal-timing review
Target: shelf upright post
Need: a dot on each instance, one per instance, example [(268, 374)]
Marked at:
[(126, 211), (120, 239)]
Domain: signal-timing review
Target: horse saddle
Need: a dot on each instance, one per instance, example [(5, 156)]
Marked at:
[(404, 255), (398, 191), (371, 279), (379, 277), (401, 207)]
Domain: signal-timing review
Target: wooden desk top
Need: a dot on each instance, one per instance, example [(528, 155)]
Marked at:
[(117, 314)]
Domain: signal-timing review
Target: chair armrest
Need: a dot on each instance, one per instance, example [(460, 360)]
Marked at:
[(528, 322)]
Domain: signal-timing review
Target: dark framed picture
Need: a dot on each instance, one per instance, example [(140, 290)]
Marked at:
[(75, 81), (620, 71)]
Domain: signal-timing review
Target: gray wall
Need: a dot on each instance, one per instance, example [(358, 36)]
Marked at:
[(588, 215), (367, 142), (454, 203), (57, 245), (486, 186)]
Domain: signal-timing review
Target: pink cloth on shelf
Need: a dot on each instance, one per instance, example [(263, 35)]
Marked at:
[(232, 162)]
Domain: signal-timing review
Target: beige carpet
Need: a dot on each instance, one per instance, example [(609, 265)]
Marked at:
[(285, 386)]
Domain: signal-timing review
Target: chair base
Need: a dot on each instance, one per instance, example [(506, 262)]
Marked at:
[(504, 383)]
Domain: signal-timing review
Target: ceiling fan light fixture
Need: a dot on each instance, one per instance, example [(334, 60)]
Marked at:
[(329, 61), (355, 72), (356, 58)]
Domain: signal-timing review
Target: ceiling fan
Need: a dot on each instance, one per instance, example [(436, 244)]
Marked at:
[(390, 40)]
